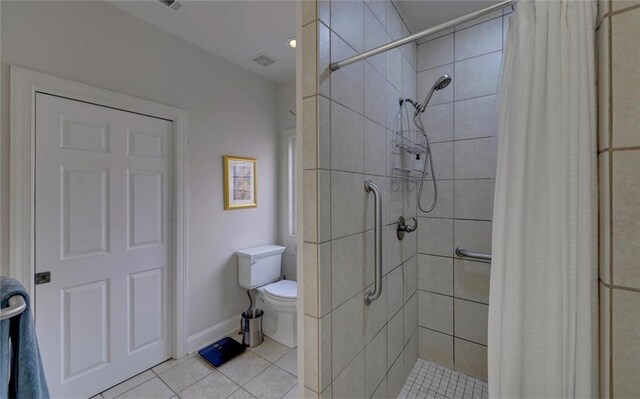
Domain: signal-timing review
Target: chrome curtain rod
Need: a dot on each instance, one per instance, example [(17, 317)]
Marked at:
[(401, 42)]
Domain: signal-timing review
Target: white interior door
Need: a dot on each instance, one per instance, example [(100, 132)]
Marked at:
[(103, 232)]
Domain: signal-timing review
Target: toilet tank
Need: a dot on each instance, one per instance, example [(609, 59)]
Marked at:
[(259, 265)]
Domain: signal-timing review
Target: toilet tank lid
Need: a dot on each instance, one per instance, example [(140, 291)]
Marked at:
[(261, 251)]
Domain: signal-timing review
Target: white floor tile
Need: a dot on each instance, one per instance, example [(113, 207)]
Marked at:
[(289, 362), (152, 389), (271, 383), (244, 367), (186, 374), (270, 350), (215, 385)]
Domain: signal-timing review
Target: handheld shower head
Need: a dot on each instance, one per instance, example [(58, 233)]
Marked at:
[(442, 82)]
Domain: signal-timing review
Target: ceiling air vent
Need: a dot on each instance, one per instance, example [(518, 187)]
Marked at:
[(263, 59), (174, 4)]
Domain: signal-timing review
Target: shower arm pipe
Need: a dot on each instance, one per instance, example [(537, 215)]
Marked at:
[(419, 35), (371, 296)]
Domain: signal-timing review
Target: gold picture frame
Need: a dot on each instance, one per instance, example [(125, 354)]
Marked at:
[(240, 182)]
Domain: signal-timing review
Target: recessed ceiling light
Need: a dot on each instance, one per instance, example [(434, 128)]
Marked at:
[(292, 42)]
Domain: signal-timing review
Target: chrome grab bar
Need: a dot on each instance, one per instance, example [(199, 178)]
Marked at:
[(16, 306), (371, 296), (464, 253)]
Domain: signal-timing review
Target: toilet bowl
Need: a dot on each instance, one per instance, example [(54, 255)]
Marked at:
[(278, 300)]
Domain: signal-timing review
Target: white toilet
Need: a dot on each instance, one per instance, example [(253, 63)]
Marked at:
[(260, 268)]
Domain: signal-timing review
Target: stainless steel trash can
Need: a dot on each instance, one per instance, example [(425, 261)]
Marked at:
[(252, 327)]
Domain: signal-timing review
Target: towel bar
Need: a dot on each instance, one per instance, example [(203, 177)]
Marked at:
[(16, 306)]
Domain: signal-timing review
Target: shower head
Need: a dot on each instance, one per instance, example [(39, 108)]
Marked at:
[(442, 82)]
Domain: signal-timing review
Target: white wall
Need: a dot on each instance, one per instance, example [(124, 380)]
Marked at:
[(286, 123), (230, 111)]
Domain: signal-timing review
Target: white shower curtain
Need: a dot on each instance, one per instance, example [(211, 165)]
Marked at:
[(543, 300)]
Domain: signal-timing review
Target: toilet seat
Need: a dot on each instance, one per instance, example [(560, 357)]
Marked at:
[(283, 290)]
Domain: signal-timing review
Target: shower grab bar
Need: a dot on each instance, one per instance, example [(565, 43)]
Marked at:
[(371, 296), (17, 305), (464, 253)]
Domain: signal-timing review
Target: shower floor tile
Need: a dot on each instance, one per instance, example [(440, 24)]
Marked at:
[(429, 380)]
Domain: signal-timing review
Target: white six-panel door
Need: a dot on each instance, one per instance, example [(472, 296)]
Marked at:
[(102, 229)]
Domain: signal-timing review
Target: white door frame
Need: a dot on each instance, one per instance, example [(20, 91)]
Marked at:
[(24, 86)]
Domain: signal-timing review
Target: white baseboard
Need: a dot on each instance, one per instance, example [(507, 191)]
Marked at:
[(212, 334)]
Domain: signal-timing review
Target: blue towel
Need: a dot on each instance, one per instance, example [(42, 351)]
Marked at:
[(27, 376)]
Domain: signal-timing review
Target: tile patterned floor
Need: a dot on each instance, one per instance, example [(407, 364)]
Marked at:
[(266, 371), (429, 380)]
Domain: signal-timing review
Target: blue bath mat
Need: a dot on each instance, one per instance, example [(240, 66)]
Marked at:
[(221, 351)]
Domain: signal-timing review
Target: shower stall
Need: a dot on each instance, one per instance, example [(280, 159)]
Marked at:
[(386, 291)]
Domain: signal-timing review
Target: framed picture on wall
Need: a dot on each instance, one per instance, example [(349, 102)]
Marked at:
[(240, 182)]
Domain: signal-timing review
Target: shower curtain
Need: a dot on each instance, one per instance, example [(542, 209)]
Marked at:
[(543, 300)]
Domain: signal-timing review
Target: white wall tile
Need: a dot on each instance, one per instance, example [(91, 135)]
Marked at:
[(374, 36), (310, 133), (438, 122), (604, 204), (394, 67), (436, 312), (479, 39), (625, 338), (410, 354), (375, 148), (471, 359), (347, 139), (324, 60), (375, 362), (351, 384), (476, 117), (444, 205), (309, 60), (604, 92), (625, 84), (436, 236), (626, 219), (379, 9), (347, 21), (347, 337), (435, 274), (347, 268), (475, 159), (442, 161), (477, 76), (473, 235), (347, 84), (375, 314), (471, 321), (410, 315), (395, 378), (310, 205), (395, 292), (395, 338), (436, 347), (374, 95), (472, 280), (347, 204), (474, 199), (410, 275), (435, 53)]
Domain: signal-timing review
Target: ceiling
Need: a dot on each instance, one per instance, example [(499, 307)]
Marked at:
[(234, 30), (239, 30), (424, 14)]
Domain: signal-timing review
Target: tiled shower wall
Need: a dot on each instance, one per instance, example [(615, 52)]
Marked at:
[(353, 350), (618, 50), (461, 120)]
